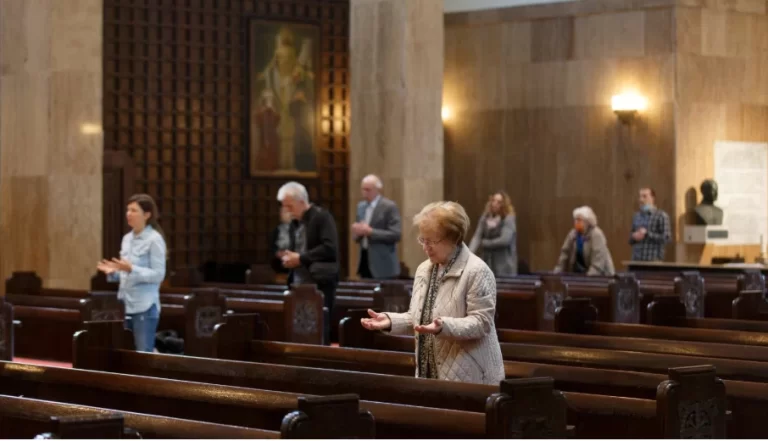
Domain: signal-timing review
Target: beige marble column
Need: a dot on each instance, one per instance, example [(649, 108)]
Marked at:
[(51, 143), (396, 59)]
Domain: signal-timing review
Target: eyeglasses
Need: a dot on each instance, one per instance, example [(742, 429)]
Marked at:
[(429, 243)]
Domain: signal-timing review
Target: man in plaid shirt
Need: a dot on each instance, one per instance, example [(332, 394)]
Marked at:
[(650, 229)]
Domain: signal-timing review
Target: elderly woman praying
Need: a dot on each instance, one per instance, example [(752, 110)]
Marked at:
[(585, 249), (453, 304)]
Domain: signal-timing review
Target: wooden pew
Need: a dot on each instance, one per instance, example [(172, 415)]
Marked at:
[(6, 331), (26, 415), (52, 316), (265, 300), (747, 399), (332, 416), (750, 305), (628, 417), (577, 316), (295, 315), (19, 419), (670, 311)]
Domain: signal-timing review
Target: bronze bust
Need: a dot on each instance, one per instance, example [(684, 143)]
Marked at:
[(707, 213)]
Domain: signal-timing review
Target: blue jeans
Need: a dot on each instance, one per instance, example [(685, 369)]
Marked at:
[(144, 327)]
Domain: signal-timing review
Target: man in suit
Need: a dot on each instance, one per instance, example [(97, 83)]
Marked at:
[(377, 230), (313, 257)]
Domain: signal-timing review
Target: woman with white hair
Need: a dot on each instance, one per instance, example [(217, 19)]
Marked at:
[(585, 250)]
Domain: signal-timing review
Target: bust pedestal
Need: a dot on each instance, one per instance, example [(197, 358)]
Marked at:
[(704, 234)]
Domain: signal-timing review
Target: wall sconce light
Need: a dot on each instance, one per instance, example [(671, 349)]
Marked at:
[(90, 129), (626, 106), (446, 113)]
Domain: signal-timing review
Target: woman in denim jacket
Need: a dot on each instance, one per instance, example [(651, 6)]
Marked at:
[(140, 270)]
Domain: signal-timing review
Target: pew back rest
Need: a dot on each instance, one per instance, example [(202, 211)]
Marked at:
[(392, 297), (6, 331), (24, 418), (24, 282), (749, 305), (146, 426)]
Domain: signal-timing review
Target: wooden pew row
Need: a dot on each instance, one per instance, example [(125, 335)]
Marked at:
[(388, 295), (332, 416), (628, 417), (715, 301), (236, 406), (731, 361), (668, 321), (296, 315), (49, 322), (721, 288), (26, 415), (54, 315), (746, 397), (20, 418)]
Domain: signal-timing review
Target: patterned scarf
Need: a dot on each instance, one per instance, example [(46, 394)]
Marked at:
[(427, 361)]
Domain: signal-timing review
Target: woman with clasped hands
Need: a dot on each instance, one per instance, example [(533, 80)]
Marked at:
[(452, 306)]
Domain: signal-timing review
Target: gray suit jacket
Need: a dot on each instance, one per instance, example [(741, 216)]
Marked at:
[(382, 243)]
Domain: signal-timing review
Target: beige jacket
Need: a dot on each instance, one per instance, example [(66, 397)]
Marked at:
[(597, 256), (467, 349)]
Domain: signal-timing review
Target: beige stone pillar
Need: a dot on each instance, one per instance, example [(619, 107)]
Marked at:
[(396, 61), (51, 142)]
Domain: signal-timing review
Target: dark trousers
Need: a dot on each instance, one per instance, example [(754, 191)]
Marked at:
[(364, 269)]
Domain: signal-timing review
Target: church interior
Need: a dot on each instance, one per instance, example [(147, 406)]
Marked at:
[(399, 219)]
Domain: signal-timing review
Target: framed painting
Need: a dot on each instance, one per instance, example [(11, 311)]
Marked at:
[(283, 73)]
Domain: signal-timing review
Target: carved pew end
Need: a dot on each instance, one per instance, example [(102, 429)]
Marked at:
[(335, 416), (692, 404), (527, 408)]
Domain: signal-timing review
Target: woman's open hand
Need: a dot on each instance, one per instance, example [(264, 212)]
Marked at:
[(433, 328), (106, 267), (377, 322)]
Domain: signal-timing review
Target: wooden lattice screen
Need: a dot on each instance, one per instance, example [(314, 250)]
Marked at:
[(175, 101)]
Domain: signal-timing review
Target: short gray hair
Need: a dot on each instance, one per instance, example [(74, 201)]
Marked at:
[(375, 180), (586, 214), (294, 190)]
